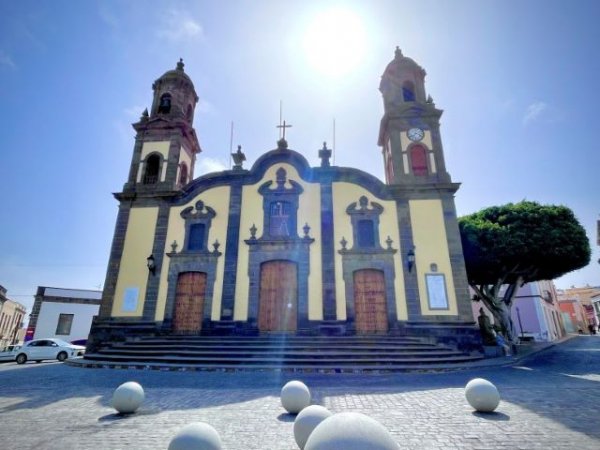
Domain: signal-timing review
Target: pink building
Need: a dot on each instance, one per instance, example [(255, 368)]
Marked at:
[(535, 312)]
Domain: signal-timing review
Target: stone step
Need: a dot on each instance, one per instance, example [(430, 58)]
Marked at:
[(277, 351), (276, 339), (282, 354), (254, 346), (275, 362)]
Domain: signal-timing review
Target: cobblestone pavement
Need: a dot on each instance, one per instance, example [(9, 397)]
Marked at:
[(550, 400)]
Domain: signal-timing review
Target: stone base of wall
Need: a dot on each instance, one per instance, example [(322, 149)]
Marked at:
[(463, 336)]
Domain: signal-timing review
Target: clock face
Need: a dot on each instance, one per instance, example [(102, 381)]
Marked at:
[(415, 134)]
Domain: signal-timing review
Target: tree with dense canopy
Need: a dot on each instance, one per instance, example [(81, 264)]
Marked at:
[(510, 245)]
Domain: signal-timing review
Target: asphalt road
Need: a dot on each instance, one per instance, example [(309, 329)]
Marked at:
[(550, 400)]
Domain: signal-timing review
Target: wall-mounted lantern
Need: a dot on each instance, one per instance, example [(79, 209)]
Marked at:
[(151, 264), (410, 259)]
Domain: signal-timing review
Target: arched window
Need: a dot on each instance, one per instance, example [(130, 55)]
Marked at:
[(418, 160), (183, 174), (189, 113), (152, 169), (408, 91), (165, 104)]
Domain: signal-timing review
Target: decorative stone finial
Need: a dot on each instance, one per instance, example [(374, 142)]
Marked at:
[(174, 247), (306, 229), (398, 53), (238, 158), (344, 243), (180, 64), (282, 144), (216, 246), (145, 115), (429, 99), (325, 154), (389, 242), (253, 230)]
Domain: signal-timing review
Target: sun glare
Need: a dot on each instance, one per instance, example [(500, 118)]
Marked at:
[(334, 43)]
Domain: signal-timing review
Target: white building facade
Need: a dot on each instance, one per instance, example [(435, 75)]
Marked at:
[(63, 313)]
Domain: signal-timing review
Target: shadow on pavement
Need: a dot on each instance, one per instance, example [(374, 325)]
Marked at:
[(558, 383)]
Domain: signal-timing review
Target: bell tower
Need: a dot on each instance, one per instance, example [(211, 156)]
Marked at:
[(409, 132), (166, 144)]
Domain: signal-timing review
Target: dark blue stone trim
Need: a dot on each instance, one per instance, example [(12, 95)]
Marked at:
[(231, 250)]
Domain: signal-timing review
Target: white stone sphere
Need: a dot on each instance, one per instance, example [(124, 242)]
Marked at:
[(128, 397), (295, 396), (350, 431), (196, 436), (306, 422), (482, 395)]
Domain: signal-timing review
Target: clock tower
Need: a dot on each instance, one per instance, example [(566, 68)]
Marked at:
[(409, 133), (416, 174)]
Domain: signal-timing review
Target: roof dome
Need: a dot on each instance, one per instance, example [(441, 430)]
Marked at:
[(401, 64), (178, 72)]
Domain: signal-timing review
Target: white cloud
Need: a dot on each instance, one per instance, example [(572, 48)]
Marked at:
[(204, 107), (178, 26), (534, 111), (6, 60), (206, 165), (134, 112)]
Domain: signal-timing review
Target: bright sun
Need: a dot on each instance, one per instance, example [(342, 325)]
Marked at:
[(335, 42)]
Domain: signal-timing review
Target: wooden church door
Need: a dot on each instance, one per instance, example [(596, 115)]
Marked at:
[(369, 302), (278, 301), (189, 302)]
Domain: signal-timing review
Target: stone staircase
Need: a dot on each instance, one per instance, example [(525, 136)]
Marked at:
[(281, 352)]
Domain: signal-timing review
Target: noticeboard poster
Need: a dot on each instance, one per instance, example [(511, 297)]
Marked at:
[(436, 290)]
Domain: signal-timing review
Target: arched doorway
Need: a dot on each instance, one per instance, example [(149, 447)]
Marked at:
[(278, 297), (189, 302), (369, 302)]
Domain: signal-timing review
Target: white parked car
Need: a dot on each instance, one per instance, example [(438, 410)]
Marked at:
[(41, 349), (9, 353)]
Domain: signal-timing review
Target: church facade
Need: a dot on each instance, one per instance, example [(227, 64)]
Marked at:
[(283, 247)]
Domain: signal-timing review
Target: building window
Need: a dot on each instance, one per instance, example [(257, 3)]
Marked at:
[(165, 104), (418, 158), (152, 169), (64, 324), (408, 91), (366, 234), (183, 174), (279, 219), (196, 240)]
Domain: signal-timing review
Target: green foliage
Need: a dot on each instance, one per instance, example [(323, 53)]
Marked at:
[(537, 242)]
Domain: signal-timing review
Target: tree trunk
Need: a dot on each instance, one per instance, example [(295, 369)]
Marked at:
[(500, 308)]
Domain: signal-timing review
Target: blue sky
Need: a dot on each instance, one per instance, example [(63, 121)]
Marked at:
[(517, 81)]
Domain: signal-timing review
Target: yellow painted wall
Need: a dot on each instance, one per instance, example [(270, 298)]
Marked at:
[(405, 141), (218, 199), (343, 195), (431, 246), (133, 272), (184, 157), (252, 213)]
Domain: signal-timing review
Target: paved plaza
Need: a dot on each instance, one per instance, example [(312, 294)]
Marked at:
[(550, 400)]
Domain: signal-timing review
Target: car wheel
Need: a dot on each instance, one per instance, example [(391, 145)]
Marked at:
[(62, 356), (21, 358)]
